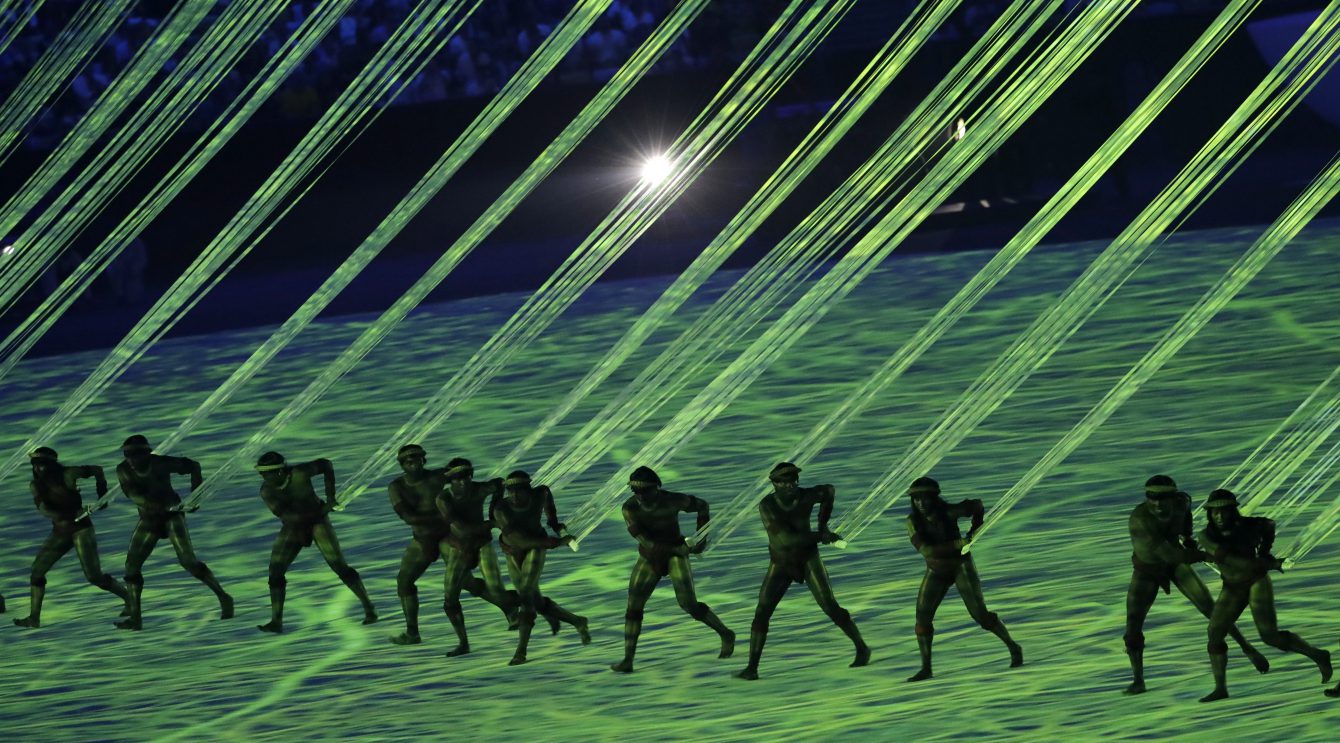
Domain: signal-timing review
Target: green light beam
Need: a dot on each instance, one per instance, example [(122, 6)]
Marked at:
[(1015, 104), (1067, 196), (1245, 129), (844, 213)]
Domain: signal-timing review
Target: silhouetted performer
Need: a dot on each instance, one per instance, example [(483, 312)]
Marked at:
[(652, 515), (525, 542), (1241, 546), (793, 552), (933, 527), (1163, 552), (288, 493), (56, 494), (146, 479), (470, 545), (415, 496)]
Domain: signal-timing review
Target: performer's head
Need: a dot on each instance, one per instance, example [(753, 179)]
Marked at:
[(1160, 494), (644, 480), (136, 450), (412, 459), (925, 495), (785, 476), (459, 472), (517, 482), (45, 462), (272, 468), (1222, 508)]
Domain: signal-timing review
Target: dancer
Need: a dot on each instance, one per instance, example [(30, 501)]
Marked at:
[(470, 546), (652, 515), (288, 493), (1240, 546), (1163, 552), (526, 544), (933, 528), (56, 494), (793, 552), (146, 479), (415, 496)]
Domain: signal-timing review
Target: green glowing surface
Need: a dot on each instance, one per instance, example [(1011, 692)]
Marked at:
[(1056, 569)]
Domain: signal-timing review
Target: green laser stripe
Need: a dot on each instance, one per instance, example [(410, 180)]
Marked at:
[(407, 48), (1259, 454), (1006, 259), (88, 31), (594, 507), (258, 90), (1246, 268), (20, 21), (818, 142), (843, 213), (143, 135), (553, 155), (564, 288), (120, 94), (1028, 90), (1082, 298)]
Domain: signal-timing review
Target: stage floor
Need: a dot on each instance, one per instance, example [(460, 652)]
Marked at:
[(1056, 569)]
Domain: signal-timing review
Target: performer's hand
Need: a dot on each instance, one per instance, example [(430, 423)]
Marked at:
[(328, 505), (961, 542), (1274, 563), (698, 547), (828, 537)]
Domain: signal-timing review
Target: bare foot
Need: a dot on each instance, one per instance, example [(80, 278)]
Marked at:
[(225, 607), (406, 638), (132, 623), (459, 650), (921, 675), (727, 645), (748, 674), (275, 627), (623, 666), (1136, 687), (862, 657), (1016, 655), (516, 660), (30, 622), (1215, 695)]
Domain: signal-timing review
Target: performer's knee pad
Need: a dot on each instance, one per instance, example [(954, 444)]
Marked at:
[(633, 615), (698, 610), (1217, 647), (136, 580), (1135, 641), (925, 629), (38, 581), (277, 580)]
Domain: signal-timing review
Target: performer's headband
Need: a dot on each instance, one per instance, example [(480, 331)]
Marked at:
[(271, 467), (787, 472), (643, 484), (1160, 490), (43, 454), (414, 451), (459, 471), (923, 490), (514, 481)]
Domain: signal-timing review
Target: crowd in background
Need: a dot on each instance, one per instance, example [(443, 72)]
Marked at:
[(499, 36)]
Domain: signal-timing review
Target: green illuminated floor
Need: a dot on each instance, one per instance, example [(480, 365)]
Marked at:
[(1056, 570)]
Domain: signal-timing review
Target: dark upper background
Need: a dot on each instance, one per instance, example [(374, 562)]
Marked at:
[(378, 169)]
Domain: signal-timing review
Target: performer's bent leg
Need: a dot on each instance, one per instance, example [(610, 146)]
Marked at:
[(681, 577), (181, 542), (770, 593), (324, 535), (821, 586)]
